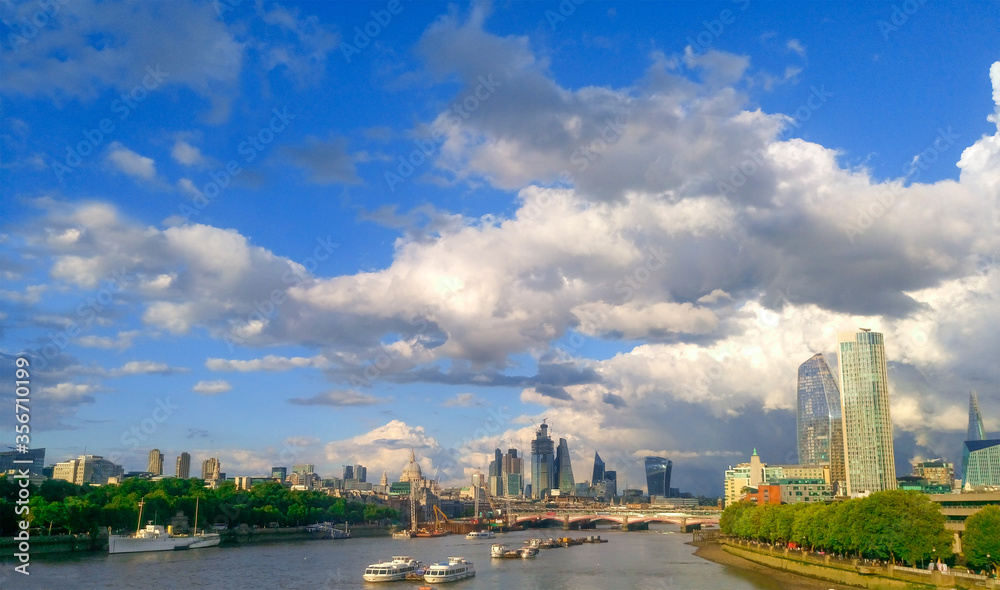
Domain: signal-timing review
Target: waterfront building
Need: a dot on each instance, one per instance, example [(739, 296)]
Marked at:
[(89, 469), (658, 476), (564, 469), (183, 469), (794, 491), (542, 462), (35, 467), (981, 461), (279, 473), (155, 462), (753, 474), (818, 417), (598, 469), (977, 430), (937, 472), (867, 425), (764, 494)]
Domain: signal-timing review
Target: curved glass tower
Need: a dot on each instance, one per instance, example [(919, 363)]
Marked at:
[(820, 434), (658, 476)]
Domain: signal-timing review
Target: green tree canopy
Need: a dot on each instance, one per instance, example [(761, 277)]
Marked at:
[(981, 541)]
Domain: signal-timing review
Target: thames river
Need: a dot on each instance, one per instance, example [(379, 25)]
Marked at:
[(653, 560)]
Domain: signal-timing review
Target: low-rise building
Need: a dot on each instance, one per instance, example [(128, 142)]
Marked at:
[(794, 491)]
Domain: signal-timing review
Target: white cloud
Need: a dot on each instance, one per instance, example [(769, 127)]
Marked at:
[(464, 400), (211, 387), (187, 154), (268, 363), (131, 163), (337, 399), (143, 368)]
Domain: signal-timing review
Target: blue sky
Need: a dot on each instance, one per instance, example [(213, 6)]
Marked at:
[(316, 244)]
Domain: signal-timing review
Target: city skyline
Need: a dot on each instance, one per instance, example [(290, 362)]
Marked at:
[(288, 239)]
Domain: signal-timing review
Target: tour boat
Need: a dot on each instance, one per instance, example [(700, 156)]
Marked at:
[(390, 571), (402, 535), (456, 568), (527, 552), (498, 550), (481, 535)]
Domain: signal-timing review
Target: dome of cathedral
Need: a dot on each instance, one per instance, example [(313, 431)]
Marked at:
[(412, 470)]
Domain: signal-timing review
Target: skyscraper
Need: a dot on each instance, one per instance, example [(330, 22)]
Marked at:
[(542, 462), (513, 470), (977, 431), (564, 469), (360, 473), (820, 434), (208, 468), (981, 463), (348, 472), (611, 478), (279, 473), (184, 466), (864, 397), (155, 462), (598, 475), (658, 476), (495, 481)]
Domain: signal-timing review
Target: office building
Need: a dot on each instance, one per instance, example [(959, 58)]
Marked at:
[(155, 462), (88, 469), (210, 469), (658, 476), (981, 461), (542, 462), (360, 473), (818, 418), (494, 480), (938, 472), (977, 430), (183, 469), (864, 397), (279, 473), (611, 483), (512, 469), (563, 477), (598, 475), (795, 491), (348, 472), (35, 463)]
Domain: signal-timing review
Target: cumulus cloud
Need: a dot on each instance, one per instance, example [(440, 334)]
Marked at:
[(128, 162), (143, 368), (211, 387)]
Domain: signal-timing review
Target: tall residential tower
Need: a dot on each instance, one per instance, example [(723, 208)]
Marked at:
[(864, 401)]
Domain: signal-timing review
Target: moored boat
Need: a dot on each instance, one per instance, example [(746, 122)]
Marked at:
[(456, 568), (527, 552), (481, 535), (391, 571)]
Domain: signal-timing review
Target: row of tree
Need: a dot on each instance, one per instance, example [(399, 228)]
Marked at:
[(892, 525), (60, 506)]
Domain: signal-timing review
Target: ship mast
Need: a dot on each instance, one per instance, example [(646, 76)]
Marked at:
[(138, 525), (196, 500)]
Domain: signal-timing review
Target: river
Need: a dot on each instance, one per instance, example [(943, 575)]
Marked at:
[(657, 559)]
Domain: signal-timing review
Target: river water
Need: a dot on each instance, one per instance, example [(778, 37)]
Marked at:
[(655, 560)]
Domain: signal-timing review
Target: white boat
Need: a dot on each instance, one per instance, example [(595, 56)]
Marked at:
[(527, 552), (498, 550), (391, 571), (202, 540), (456, 568), (152, 538), (481, 535), (534, 543)]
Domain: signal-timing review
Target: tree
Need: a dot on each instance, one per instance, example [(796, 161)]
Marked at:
[(981, 541)]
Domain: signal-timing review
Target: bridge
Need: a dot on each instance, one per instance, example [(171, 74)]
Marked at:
[(629, 521)]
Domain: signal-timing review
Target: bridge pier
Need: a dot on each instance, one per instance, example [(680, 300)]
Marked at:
[(566, 524)]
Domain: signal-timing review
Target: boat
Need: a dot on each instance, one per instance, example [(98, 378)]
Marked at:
[(391, 571), (402, 535), (481, 535), (498, 549), (202, 539), (456, 568), (156, 537), (534, 543), (329, 531), (431, 533), (527, 552)]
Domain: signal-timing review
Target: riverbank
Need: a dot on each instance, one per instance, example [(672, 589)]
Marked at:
[(713, 551)]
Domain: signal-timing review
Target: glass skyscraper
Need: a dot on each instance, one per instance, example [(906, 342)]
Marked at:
[(864, 396), (981, 463), (658, 476), (542, 462), (977, 431), (598, 470), (564, 469), (820, 428)]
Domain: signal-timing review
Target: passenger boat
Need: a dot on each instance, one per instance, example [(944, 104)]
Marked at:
[(391, 571), (156, 537), (527, 552), (481, 535), (456, 568), (402, 535), (498, 549)]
